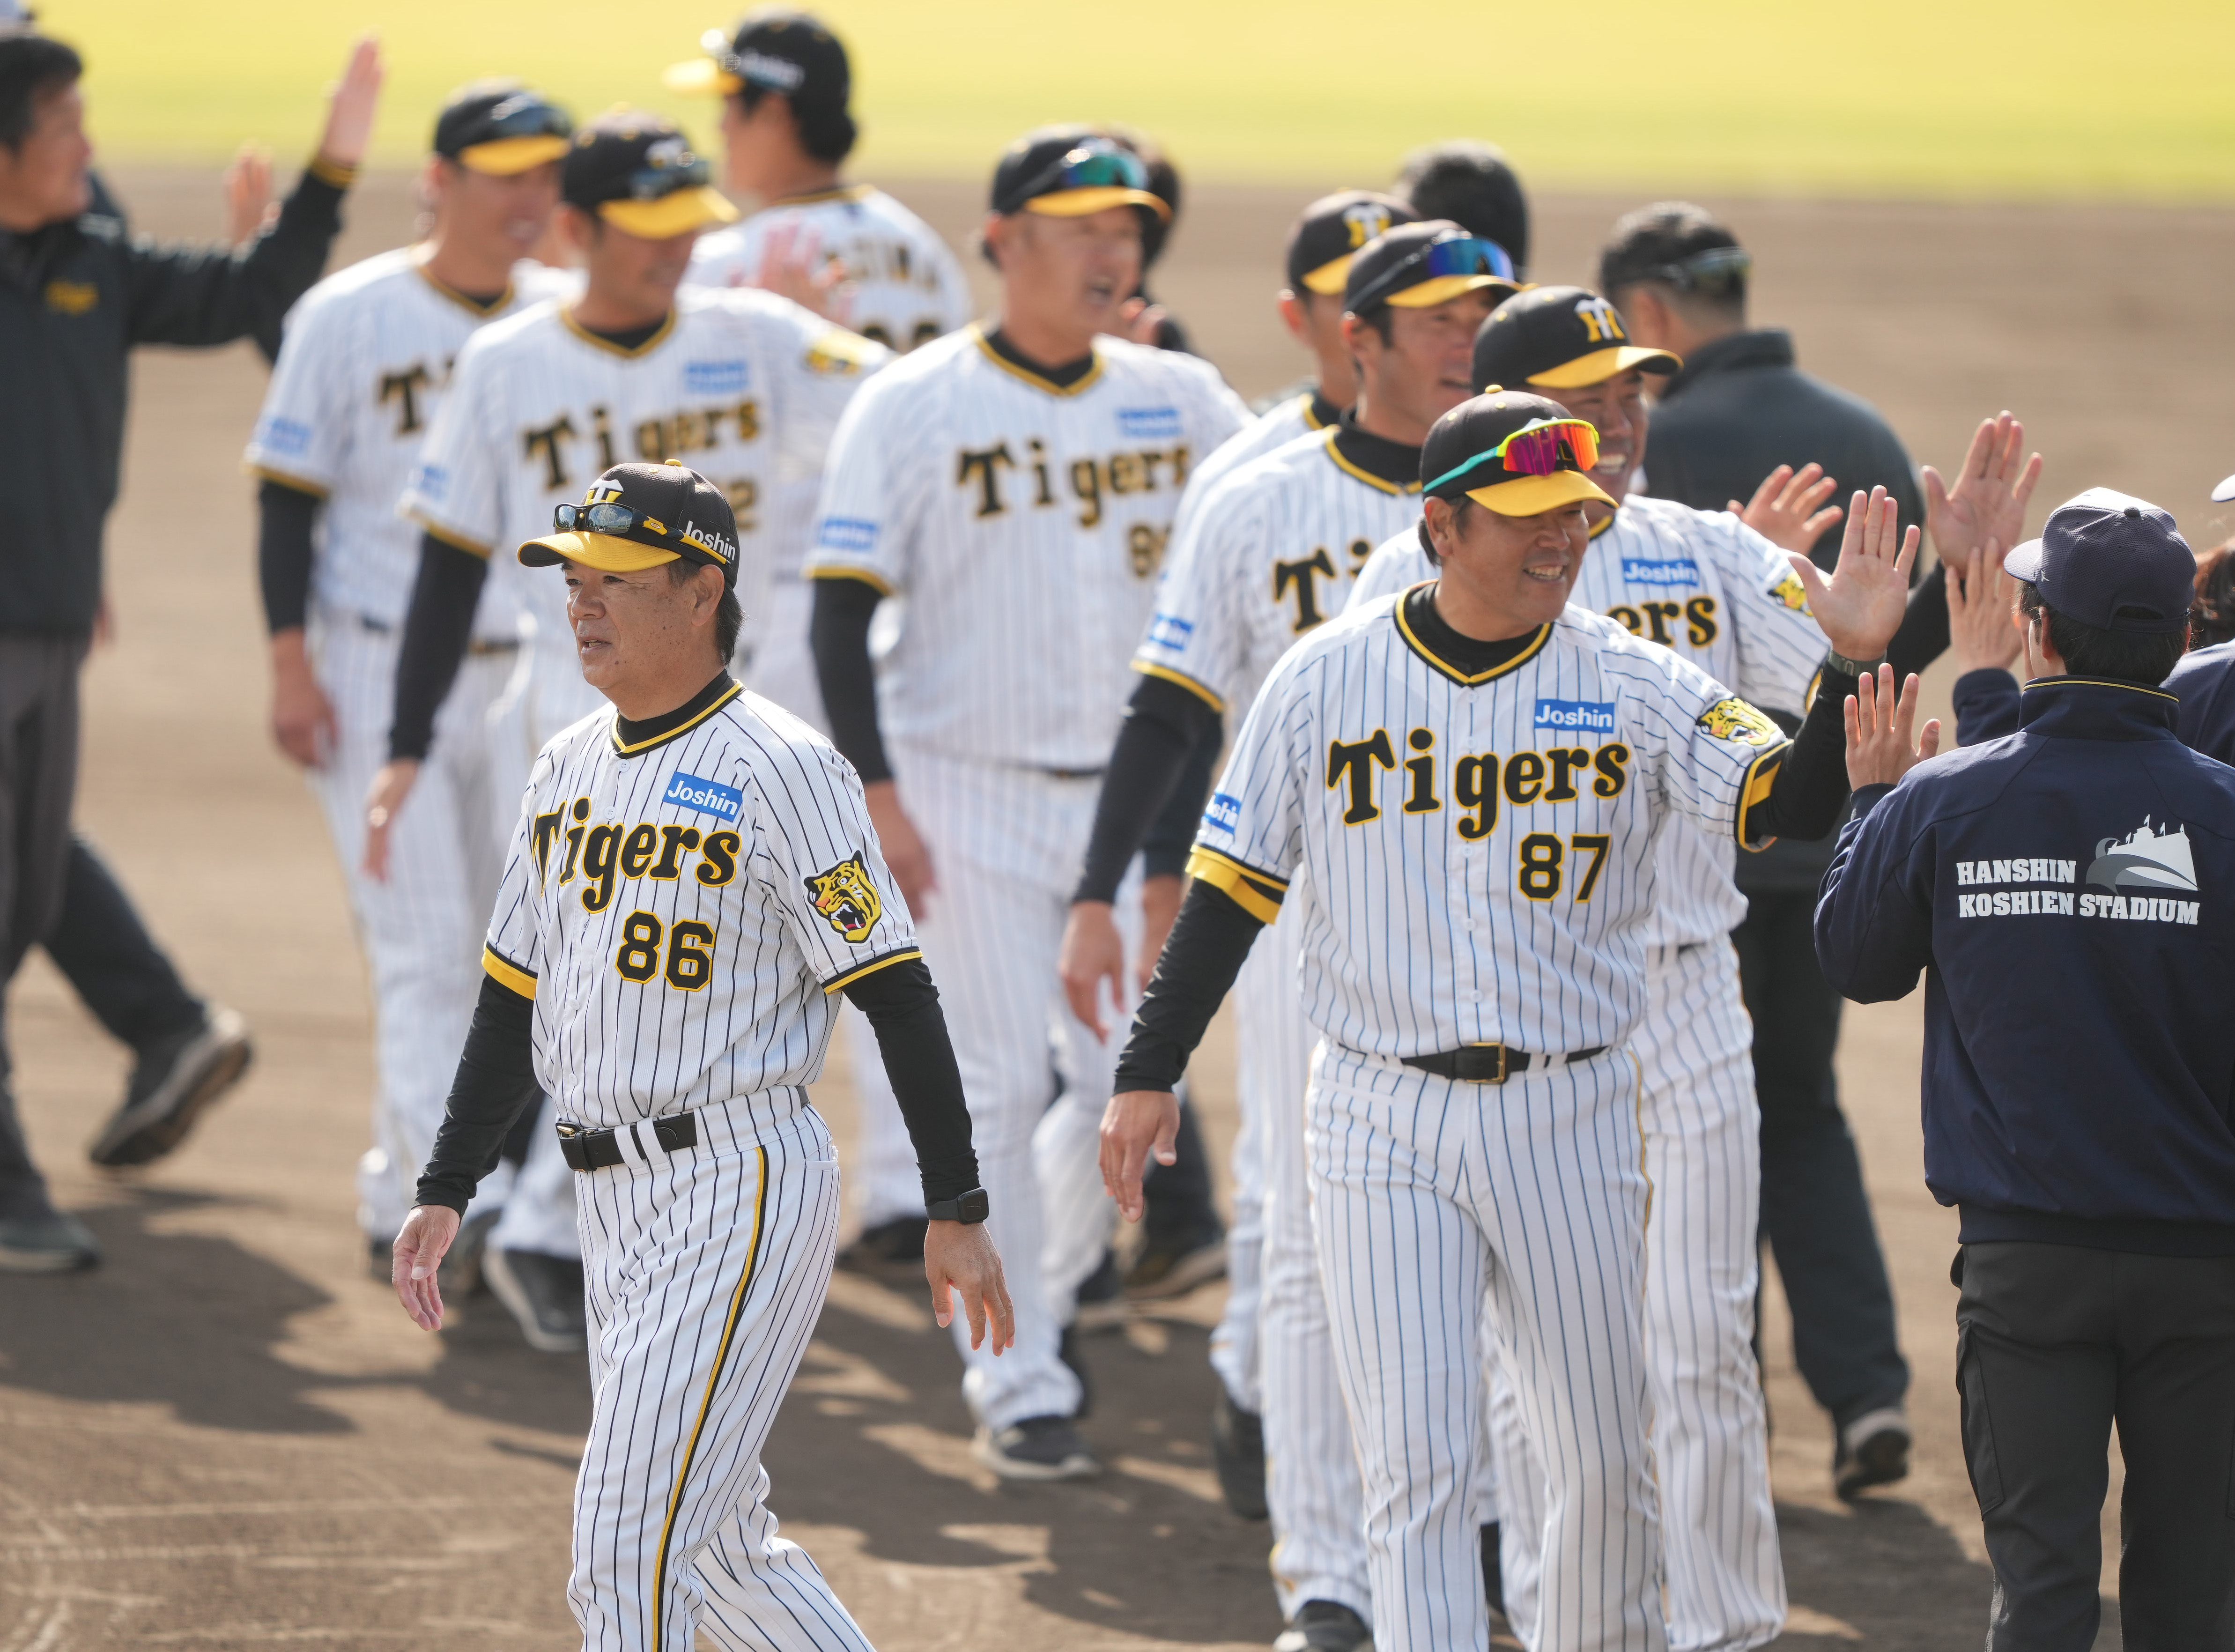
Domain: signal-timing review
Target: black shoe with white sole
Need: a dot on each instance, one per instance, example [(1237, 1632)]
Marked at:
[(175, 1082), (1324, 1626), (52, 1243), (1238, 1452), (1038, 1448), (1170, 1268), (1873, 1450), (544, 1294)]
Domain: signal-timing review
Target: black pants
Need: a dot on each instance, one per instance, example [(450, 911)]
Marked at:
[(109, 958), (1814, 1211), (2054, 1345)]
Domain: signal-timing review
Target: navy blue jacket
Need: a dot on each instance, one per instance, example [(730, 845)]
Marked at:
[(1987, 703), (2070, 893)]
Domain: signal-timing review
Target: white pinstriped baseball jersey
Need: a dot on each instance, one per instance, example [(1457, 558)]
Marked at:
[(908, 286), (1276, 427), (1476, 853), (683, 910), (741, 386), (1268, 556), (1024, 522), (1723, 597), (363, 369)]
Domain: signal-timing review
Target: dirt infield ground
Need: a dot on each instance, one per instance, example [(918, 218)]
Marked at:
[(228, 1437)]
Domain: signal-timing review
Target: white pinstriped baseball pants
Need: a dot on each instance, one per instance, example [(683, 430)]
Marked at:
[(706, 1273), (1710, 1434), (1433, 1203)]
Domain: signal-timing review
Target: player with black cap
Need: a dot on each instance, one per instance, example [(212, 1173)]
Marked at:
[(693, 883), (1464, 782), (2059, 889)]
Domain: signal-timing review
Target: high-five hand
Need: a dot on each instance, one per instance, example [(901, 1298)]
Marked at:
[(1861, 605), (1879, 749), (1989, 498)]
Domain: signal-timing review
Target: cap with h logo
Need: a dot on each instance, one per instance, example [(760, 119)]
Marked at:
[(1332, 228), (2112, 561), (637, 516), (1558, 338)]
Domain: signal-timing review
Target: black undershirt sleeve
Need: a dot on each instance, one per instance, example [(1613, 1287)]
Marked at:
[(436, 629), (495, 1083), (1194, 974), (1164, 851), (1923, 634), (839, 634), (285, 517), (1811, 784), (902, 1006), (1163, 725)]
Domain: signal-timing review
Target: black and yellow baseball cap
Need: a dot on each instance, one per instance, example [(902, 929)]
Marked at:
[(1559, 339), (500, 128), (1332, 228), (1513, 453), (777, 50), (637, 172), (1416, 266), (1071, 172), (637, 516)]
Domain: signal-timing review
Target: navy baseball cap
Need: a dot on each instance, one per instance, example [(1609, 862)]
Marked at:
[(1417, 267), (1072, 171), (637, 172), (1513, 453), (2111, 562), (500, 128), (1558, 338), (776, 49), (1332, 228), (639, 516)]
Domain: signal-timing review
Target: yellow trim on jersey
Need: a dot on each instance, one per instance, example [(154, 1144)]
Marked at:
[(566, 316), (816, 197), (706, 1404), (1395, 490), (457, 541), (728, 694), (839, 983), (507, 974), (472, 307), (1184, 681), (1603, 524), (1543, 636), (1258, 894), (1311, 419), (1761, 779), (300, 484), (1094, 373), (833, 571)]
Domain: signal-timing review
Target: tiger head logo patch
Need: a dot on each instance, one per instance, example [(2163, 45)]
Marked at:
[(1790, 592), (846, 899), (1739, 723)]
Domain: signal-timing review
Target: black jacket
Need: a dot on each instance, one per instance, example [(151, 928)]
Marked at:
[(74, 298), (2064, 889), (1741, 408)]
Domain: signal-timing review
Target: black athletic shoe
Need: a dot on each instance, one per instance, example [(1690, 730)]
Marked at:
[(1170, 1268), (175, 1081), (1039, 1448), (1873, 1450), (544, 1294), (1237, 1449), (1324, 1626), (1493, 1569), (1101, 1299), (889, 1249), (53, 1243), (1066, 1349), (380, 1260)]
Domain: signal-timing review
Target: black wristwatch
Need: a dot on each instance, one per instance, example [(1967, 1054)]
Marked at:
[(1834, 660), (973, 1206)]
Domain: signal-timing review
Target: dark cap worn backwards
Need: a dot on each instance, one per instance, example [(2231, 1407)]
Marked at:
[(1072, 172), (1559, 339), (1332, 228), (1512, 453), (1416, 266), (639, 516), (500, 128), (2111, 562), (638, 172), (777, 50)]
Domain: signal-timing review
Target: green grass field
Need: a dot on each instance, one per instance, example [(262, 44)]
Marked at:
[(2059, 98)]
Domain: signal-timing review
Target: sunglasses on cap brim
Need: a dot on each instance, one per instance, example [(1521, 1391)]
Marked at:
[(622, 522), (1533, 450), (1469, 261), (1096, 175), (1708, 272), (707, 77), (518, 134)]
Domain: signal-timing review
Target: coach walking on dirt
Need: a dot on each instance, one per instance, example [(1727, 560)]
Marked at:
[(2061, 888), (77, 293)]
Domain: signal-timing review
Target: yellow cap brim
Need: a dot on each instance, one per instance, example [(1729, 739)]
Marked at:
[(1442, 289), (605, 552), (1079, 203), (1329, 277), (700, 77), (671, 215), (508, 157), (1533, 495), (1602, 364)]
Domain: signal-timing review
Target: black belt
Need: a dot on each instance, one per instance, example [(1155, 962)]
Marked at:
[(1488, 1063), (598, 1149)]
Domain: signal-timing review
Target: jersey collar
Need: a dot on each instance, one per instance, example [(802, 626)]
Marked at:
[(666, 330), (1376, 461), (630, 739), (1017, 367), (1319, 412), (816, 197), (1529, 651), (473, 306)]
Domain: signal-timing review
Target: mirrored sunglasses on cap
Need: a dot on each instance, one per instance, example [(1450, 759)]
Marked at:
[(653, 183), (1455, 255), (523, 115), (1534, 450), (621, 522), (1706, 272), (1099, 165)]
